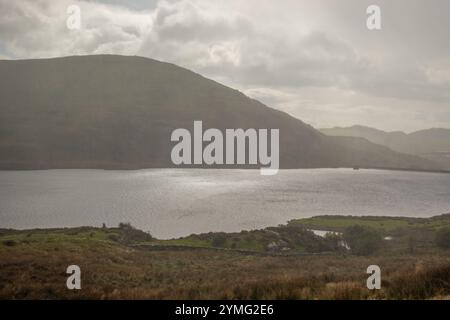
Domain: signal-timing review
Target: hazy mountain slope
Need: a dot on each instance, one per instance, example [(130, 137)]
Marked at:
[(433, 144), (431, 140), (118, 112), (419, 142)]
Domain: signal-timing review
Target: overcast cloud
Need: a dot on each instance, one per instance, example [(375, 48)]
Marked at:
[(313, 59)]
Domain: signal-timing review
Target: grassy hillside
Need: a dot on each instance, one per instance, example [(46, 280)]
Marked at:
[(123, 262), (385, 224)]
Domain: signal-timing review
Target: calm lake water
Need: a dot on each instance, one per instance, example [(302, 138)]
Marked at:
[(177, 202)]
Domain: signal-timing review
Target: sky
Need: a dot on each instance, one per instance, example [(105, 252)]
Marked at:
[(316, 60)]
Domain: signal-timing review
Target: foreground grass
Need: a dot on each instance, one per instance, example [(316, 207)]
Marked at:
[(117, 263)]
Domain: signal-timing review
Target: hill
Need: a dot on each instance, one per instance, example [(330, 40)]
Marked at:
[(118, 112), (433, 143)]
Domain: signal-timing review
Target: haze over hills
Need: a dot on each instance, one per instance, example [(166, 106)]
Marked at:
[(118, 112), (432, 143)]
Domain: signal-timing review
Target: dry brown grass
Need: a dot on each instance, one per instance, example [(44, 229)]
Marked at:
[(34, 268)]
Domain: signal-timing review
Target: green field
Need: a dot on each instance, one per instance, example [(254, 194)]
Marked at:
[(385, 224)]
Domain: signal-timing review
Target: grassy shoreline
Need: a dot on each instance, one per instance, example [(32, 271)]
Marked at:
[(283, 262)]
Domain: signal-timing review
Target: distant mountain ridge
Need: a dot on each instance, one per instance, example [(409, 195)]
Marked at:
[(431, 143), (419, 142), (118, 112)]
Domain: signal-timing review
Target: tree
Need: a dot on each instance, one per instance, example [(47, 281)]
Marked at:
[(362, 240)]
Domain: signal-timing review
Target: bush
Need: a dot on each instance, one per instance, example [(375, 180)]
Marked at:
[(333, 241), (425, 284), (362, 240), (219, 241), (125, 225), (130, 234), (9, 243), (443, 238), (114, 237)]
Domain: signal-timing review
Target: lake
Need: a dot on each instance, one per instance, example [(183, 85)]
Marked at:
[(177, 202)]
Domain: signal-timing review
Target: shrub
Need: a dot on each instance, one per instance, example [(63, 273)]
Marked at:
[(9, 243), (130, 234), (362, 240), (443, 238), (219, 240), (333, 241), (113, 237), (428, 283), (125, 225)]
